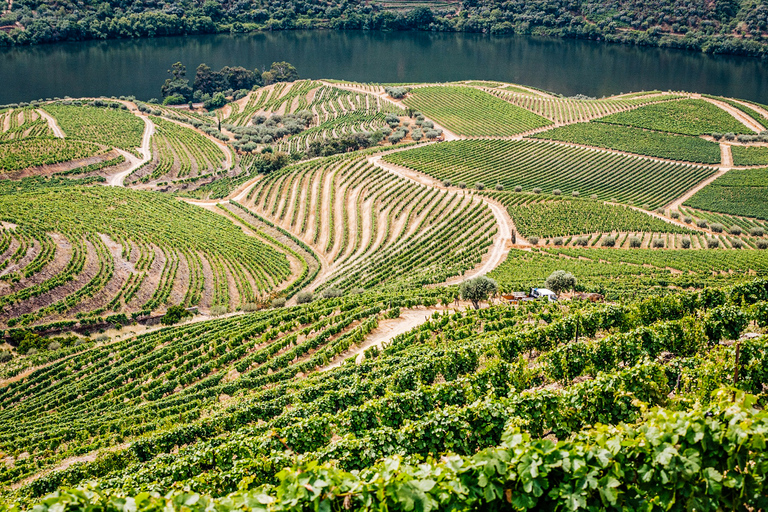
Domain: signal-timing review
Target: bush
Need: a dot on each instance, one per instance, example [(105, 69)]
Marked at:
[(397, 93), (533, 240), (575, 193), (556, 192), (582, 241), (609, 241), (250, 307), (593, 196), (356, 291), (462, 184), (304, 297), (175, 314), (499, 186), (675, 215), (537, 190), (701, 223), (658, 243), (479, 185), (717, 228), (737, 244), (5, 356), (518, 188), (54, 345), (330, 293), (687, 220), (560, 281), (446, 183), (756, 231), (635, 241), (558, 240), (278, 302), (762, 244), (735, 230), (713, 243), (685, 243), (218, 310)]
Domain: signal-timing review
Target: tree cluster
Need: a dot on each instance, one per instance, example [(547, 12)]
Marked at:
[(266, 130)]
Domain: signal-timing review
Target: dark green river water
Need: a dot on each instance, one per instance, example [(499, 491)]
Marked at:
[(567, 67)]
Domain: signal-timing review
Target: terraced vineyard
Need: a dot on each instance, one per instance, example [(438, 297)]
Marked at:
[(21, 123), (124, 251), (463, 375), (101, 125), (471, 112), (181, 152), (629, 273), (373, 227), (749, 155), (350, 372), (638, 141), (565, 110), (551, 167), (544, 215), (687, 117), (739, 192)]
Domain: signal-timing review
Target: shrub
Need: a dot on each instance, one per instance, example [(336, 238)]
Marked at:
[(582, 241), (330, 293), (593, 196), (737, 244), (518, 188), (575, 193), (701, 223), (218, 310), (54, 345), (250, 307), (609, 241), (479, 185), (756, 231), (499, 186), (635, 241), (446, 183), (304, 297), (685, 243), (717, 228), (175, 314), (762, 244), (356, 291), (278, 302), (462, 184), (560, 280), (713, 243), (533, 240), (556, 192), (5, 356), (660, 211), (537, 190), (558, 240), (735, 230), (658, 242), (675, 215), (687, 220)]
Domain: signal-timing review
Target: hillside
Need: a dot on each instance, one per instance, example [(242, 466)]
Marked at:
[(303, 300), (735, 27)]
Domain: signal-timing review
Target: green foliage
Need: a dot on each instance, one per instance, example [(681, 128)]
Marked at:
[(175, 314), (636, 140), (687, 117), (468, 111), (478, 289), (739, 192), (108, 126), (749, 155), (16, 155), (560, 281), (551, 166)]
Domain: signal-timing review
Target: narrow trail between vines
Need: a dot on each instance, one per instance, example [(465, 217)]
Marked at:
[(738, 114), (117, 180), (52, 124)]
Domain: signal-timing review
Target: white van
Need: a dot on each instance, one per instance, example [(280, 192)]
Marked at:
[(539, 293)]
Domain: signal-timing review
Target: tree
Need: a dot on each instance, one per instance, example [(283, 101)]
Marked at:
[(560, 281), (283, 72), (478, 289), (178, 85)]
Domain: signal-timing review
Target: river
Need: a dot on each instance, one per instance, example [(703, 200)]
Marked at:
[(569, 67)]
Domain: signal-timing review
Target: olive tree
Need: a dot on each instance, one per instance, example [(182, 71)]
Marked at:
[(560, 281), (478, 289)]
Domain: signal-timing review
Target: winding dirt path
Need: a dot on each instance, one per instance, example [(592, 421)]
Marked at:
[(117, 180), (52, 124), (760, 110)]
